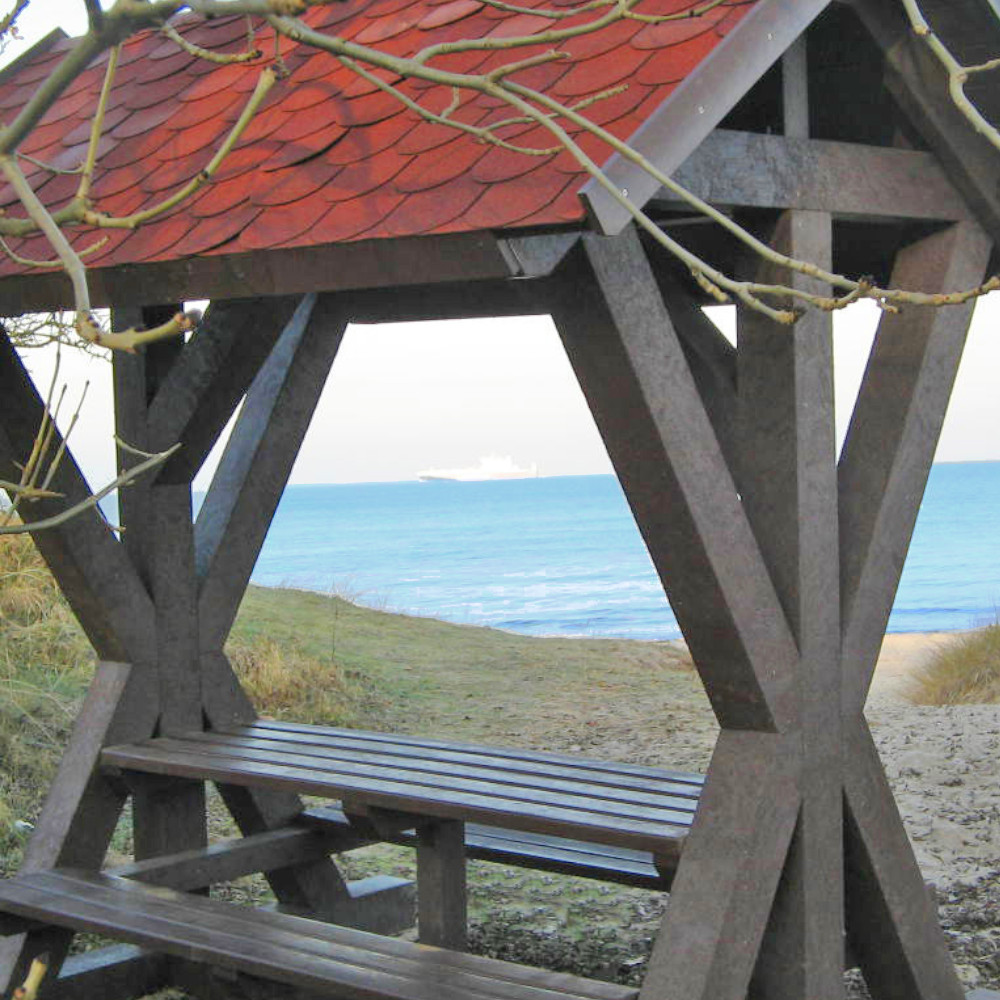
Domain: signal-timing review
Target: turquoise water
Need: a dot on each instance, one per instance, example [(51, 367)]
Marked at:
[(562, 556)]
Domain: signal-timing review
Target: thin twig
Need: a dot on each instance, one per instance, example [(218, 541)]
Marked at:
[(124, 479)]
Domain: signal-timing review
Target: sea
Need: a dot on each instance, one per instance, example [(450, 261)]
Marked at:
[(563, 556)]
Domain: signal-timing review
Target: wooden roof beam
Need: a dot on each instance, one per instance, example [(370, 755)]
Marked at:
[(426, 260), (848, 180)]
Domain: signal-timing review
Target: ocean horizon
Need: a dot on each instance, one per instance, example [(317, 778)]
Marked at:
[(562, 555)]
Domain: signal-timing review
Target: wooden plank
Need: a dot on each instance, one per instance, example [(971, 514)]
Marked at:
[(82, 807), (920, 85), (795, 89), (166, 752), (359, 966), (892, 437), (168, 815), (892, 925), (509, 755), (232, 859), (136, 377), (566, 815), (848, 180), (203, 389), (683, 121), (728, 873), (632, 369), (597, 783), (92, 569), (531, 850), (258, 460), (711, 358), (441, 889), (333, 267), (788, 482), (176, 601), (451, 300)]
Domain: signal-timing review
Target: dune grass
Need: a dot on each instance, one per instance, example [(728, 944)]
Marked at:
[(966, 671), (45, 663)]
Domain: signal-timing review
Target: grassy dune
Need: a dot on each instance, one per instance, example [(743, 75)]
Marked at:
[(964, 672)]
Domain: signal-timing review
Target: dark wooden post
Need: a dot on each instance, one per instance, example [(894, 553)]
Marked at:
[(788, 470), (167, 816)]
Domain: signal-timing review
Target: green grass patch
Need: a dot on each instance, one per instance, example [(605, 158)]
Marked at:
[(966, 671), (424, 676)]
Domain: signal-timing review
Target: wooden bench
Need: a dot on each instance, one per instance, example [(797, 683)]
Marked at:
[(339, 961)]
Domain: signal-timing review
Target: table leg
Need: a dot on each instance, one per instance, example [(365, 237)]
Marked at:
[(441, 888)]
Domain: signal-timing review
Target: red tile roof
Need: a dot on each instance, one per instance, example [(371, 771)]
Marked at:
[(330, 158)]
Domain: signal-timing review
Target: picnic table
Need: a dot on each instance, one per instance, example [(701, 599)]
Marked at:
[(450, 800), (624, 822)]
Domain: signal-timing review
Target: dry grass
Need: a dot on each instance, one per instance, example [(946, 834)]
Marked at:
[(965, 672), (45, 663), (285, 682)]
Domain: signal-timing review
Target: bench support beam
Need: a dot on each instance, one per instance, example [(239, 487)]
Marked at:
[(441, 886)]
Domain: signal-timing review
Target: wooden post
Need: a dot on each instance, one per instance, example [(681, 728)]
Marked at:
[(441, 885)]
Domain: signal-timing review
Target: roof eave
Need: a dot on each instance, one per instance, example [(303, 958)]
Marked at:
[(364, 264)]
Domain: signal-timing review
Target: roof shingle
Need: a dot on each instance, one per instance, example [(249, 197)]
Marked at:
[(331, 157)]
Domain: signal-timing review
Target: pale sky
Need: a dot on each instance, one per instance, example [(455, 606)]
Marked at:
[(405, 397)]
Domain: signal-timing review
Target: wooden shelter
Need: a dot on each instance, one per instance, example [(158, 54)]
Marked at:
[(825, 127)]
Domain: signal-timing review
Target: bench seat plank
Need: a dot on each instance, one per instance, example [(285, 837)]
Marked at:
[(534, 850), (349, 964), (455, 758), (618, 805)]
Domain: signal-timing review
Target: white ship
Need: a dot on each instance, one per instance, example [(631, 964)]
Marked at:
[(489, 467)]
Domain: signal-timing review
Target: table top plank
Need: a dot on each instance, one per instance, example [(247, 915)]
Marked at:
[(507, 753), (433, 772), (637, 826), (341, 779)]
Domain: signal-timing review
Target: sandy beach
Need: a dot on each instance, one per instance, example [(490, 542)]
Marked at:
[(941, 762)]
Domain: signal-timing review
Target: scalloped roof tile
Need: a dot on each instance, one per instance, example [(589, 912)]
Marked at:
[(331, 157)]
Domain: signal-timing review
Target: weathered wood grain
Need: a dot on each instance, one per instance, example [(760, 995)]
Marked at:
[(258, 459), (441, 884), (892, 437), (633, 372), (848, 180), (788, 481), (728, 874)]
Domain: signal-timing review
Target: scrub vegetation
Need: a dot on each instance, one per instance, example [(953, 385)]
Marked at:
[(964, 672)]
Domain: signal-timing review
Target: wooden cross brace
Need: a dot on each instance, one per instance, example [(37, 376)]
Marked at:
[(158, 604), (781, 565)]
